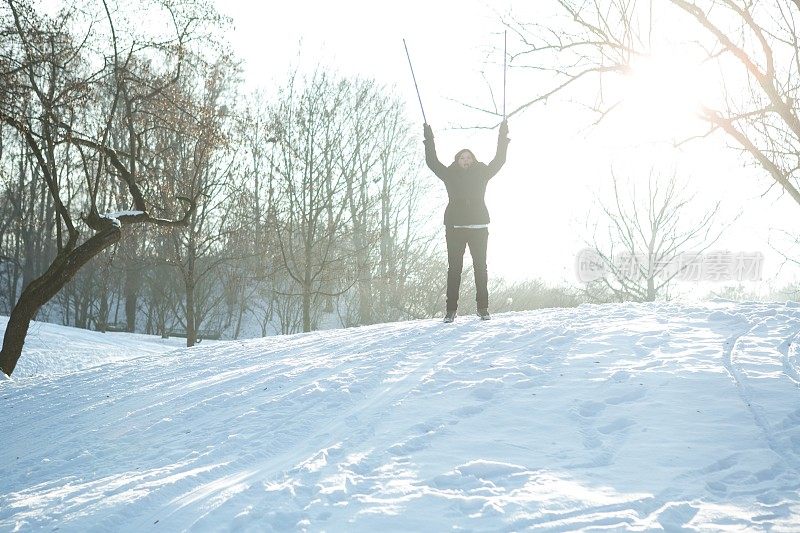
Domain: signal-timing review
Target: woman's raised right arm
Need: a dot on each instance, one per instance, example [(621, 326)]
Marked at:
[(430, 154)]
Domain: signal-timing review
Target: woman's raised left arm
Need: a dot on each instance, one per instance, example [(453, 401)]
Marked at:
[(502, 148)]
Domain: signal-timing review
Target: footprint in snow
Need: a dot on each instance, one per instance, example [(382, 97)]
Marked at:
[(524, 384), (770, 473), (620, 424), (675, 516), (531, 371), (590, 409), (721, 316), (717, 487), (469, 410), (487, 389), (591, 441), (619, 376), (414, 444), (723, 464), (630, 397), (646, 343), (482, 473), (559, 340)]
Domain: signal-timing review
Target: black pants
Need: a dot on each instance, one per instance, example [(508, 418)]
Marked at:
[(457, 241)]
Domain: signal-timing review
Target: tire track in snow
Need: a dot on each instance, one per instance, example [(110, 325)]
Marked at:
[(327, 476), (380, 382), (732, 346), (312, 454), (789, 352), (203, 390)]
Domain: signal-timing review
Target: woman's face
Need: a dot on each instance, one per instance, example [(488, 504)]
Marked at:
[(465, 160)]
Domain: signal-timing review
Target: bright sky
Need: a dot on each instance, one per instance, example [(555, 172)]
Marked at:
[(557, 165)]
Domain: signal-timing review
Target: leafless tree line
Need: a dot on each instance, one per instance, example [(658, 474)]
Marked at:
[(142, 191)]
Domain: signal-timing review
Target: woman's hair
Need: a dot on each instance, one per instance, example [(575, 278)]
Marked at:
[(458, 154)]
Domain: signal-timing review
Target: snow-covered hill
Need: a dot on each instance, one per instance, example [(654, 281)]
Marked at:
[(619, 417), (52, 350)]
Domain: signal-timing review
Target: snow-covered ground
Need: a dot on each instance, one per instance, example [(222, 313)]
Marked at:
[(616, 417), (52, 350)]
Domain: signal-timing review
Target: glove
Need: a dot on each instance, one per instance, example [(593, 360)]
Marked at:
[(428, 132), (504, 128)]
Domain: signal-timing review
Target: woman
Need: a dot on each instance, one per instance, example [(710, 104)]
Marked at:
[(466, 218)]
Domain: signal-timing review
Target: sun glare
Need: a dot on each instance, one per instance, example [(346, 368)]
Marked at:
[(663, 95)]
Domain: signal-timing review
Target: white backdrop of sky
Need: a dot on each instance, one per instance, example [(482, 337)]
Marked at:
[(544, 200)]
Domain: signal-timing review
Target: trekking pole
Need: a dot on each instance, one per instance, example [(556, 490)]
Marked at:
[(415, 82), (505, 58)]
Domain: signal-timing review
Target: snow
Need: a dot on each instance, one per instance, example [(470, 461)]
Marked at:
[(115, 215), (614, 417), (127, 212), (52, 350)]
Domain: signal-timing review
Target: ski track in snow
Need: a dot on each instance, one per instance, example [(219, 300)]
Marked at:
[(623, 417)]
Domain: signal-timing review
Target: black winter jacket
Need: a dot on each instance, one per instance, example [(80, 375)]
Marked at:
[(466, 187)]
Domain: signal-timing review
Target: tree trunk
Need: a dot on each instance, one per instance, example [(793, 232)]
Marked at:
[(83, 300), (15, 273), (17, 328), (133, 283), (651, 288), (191, 330), (29, 264), (307, 287), (307, 307), (43, 288), (365, 303), (102, 313), (161, 314), (365, 297), (239, 317)]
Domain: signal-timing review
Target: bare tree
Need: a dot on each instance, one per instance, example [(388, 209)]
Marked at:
[(49, 100), (312, 206), (644, 237), (257, 270), (311, 209), (379, 158), (200, 163)]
